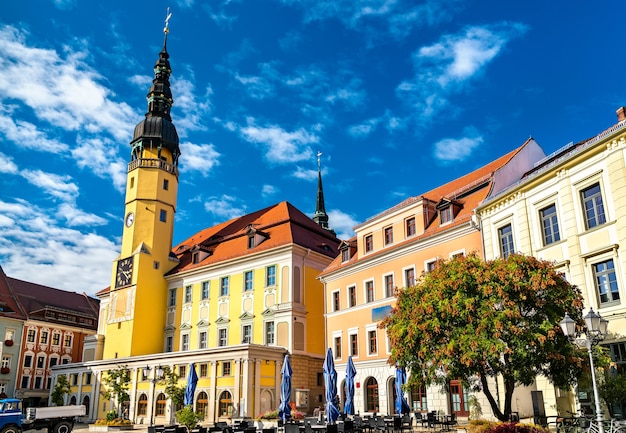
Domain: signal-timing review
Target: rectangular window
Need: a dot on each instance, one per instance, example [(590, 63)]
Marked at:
[(247, 280), (409, 277), (169, 344), (606, 281), (163, 216), (172, 298), (67, 341), (505, 234), (182, 371), (410, 227), (336, 301), (56, 339), (205, 290), (351, 296), (549, 225), (388, 286), (269, 333), (388, 235), (445, 215), (354, 345), (371, 338), (31, 335), (246, 334), (166, 184), (226, 368), (25, 382), (270, 276), (202, 341), (369, 291), (430, 266), (87, 378), (28, 361), (41, 361), (369, 243), (74, 379), (345, 255), (224, 286), (6, 362), (9, 334), (337, 347), (44, 337), (184, 342), (188, 294), (593, 205), (38, 381), (204, 370), (53, 362), (221, 337)]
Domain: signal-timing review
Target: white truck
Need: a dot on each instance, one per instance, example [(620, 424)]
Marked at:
[(57, 419)]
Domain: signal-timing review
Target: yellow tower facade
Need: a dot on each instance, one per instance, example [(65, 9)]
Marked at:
[(151, 192)]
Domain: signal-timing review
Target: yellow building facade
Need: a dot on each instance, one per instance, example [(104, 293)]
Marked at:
[(232, 300), (571, 210), (391, 250)]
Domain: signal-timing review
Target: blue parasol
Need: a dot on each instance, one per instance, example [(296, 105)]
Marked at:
[(402, 406), (192, 381), (348, 407), (330, 380), (284, 410)]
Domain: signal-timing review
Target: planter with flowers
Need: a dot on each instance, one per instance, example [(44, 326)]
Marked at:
[(8, 343), (5, 370)]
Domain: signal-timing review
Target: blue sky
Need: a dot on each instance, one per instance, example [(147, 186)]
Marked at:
[(400, 96)]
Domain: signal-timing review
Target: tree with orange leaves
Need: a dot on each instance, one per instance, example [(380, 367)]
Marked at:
[(473, 320)]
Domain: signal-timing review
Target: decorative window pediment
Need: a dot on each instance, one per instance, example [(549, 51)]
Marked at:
[(246, 316), (185, 326), (202, 323), (268, 312), (170, 328), (222, 320)]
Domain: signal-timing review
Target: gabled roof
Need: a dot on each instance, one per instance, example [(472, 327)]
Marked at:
[(467, 192), (9, 306), (281, 224), (35, 300)]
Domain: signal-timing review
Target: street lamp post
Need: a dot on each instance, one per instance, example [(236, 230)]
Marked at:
[(157, 376), (595, 331)]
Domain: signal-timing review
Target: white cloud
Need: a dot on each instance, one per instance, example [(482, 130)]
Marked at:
[(306, 174), (49, 252), (64, 91), (225, 207), (446, 67), (8, 166), (269, 190), (451, 150), (281, 146), (76, 217), (191, 108), (199, 157), (26, 136), (342, 223), (101, 157), (256, 87), (53, 184)]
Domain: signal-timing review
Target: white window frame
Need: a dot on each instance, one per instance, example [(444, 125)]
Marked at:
[(365, 296), (351, 289), (335, 295), (244, 337), (184, 342), (404, 280), (369, 329), (351, 333)]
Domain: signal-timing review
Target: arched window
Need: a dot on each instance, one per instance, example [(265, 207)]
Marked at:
[(202, 403), (142, 405), (267, 401), (226, 404), (86, 403), (73, 401), (160, 404), (371, 398)]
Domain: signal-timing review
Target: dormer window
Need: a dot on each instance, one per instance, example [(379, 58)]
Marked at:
[(255, 237), (345, 254), (369, 243), (445, 215), (251, 241)]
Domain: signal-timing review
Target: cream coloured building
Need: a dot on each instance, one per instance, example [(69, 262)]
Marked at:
[(391, 250), (571, 209)]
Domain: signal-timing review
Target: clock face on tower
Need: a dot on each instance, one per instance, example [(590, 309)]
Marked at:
[(129, 219), (124, 272)]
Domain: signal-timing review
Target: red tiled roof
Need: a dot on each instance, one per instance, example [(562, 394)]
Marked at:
[(282, 224), (35, 298), (468, 190)]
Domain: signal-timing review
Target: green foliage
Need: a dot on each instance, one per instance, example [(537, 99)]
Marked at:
[(483, 426), (173, 390), (110, 416), (61, 388), (613, 390), (476, 411), (475, 319), (116, 383), (187, 417)]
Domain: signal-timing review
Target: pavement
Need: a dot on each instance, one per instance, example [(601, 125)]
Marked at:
[(80, 427)]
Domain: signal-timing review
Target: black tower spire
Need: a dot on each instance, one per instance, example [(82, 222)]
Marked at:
[(157, 130), (320, 216)]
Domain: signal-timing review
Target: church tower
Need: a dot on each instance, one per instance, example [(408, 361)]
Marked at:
[(138, 287), (320, 216)]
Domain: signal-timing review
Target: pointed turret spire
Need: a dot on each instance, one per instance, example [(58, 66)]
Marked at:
[(157, 129), (320, 216)]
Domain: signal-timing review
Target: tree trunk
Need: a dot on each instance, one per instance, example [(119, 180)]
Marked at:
[(493, 403)]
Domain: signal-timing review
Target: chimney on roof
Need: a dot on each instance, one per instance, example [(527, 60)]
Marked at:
[(621, 114)]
